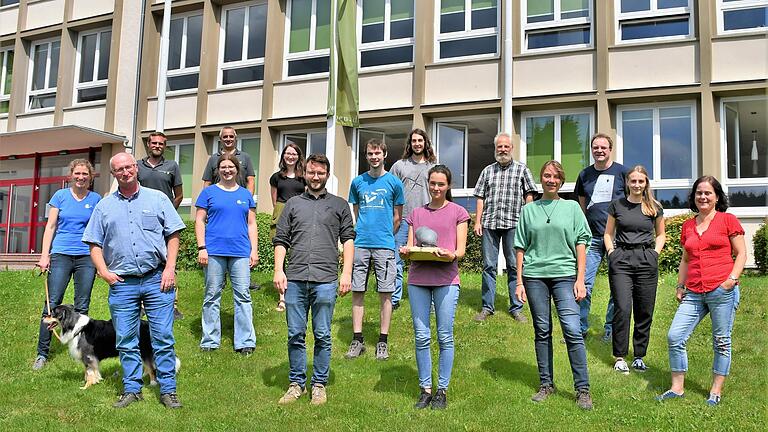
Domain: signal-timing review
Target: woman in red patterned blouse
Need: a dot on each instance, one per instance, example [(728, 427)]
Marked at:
[(708, 282)]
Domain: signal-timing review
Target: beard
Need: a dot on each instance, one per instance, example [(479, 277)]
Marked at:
[(503, 159), (320, 187)]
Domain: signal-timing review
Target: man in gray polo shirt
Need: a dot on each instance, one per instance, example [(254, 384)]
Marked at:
[(157, 172)]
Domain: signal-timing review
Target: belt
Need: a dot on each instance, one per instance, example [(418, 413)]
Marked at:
[(141, 275), (634, 245)]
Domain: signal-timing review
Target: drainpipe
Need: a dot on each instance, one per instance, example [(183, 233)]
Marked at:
[(506, 109), (130, 145), (162, 75)]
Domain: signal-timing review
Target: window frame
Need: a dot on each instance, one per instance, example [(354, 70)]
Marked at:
[(738, 182), (723, 7), (95, 82), (558, 23), (30, 74), (244, 61), (467, 191), (557, 146), (3, 74), (183, 70), (387, 42), (239, 146), (309, 54), (654, 14), (658, 183), (370, 128), (465, 34)]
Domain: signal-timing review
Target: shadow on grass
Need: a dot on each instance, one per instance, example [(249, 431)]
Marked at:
[(524, 373), (277, 376), (370, 329), (195, 327), (398, 379)]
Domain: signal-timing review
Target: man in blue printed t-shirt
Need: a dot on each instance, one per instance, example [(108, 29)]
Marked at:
[(377, 198), (133, 235)]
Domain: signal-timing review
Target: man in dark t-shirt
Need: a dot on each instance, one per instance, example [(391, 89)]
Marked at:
[(596, 187)]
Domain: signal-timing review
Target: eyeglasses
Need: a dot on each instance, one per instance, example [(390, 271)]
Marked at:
[(123, 169), (227, 136)]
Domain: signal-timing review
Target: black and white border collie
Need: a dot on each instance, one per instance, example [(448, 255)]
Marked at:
[(91, 341)]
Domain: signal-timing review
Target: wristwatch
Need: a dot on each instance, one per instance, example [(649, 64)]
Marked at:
[(680, 286), (734, 278)]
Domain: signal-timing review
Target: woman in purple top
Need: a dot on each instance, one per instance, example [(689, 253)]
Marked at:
[(436, 282), (64, 255)]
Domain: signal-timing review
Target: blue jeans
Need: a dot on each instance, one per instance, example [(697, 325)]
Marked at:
[(445, 299), (125, 299), (300, 298), (539, 292), (491, 239), (81, 269), (721, 304), (595, 255), (240, 278), (401, 239)]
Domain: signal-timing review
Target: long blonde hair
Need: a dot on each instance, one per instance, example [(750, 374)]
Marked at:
[(649, 205)]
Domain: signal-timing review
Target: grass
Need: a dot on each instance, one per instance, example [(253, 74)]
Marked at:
[(493, 378)]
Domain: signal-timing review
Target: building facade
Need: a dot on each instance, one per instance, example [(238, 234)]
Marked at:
[(679, 84)]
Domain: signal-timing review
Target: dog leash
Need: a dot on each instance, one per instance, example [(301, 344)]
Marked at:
[(48, 300)]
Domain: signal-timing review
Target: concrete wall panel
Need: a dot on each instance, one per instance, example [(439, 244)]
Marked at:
[(451, 83), (656, 66), (9, 19), (3, 125), (235, 105), (44, 13), (302, 98), (560, 74), (88, 8), (740, 59), (92, 117), (386, 90), (34, 121), (180, 111)]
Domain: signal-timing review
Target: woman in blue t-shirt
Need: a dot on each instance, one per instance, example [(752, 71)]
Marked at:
[(64, 255), (227, 243)]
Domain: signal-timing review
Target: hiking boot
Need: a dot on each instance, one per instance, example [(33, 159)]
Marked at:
[(425, 399), (293, 394), (356, 348), (439, 400), (621, 366), (382, 351), (543, 393), (318, 395), (177, 315), (583, 399), (170, 400), (483, 315), (39, 363), (519, 317), (126, 399), (639, 365)]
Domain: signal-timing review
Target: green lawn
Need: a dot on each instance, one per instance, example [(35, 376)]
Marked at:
[(493, 379)]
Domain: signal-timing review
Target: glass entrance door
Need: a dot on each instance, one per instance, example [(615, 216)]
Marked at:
[(15, 216)]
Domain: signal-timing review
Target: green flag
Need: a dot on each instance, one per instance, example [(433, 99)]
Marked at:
[(343, 95)]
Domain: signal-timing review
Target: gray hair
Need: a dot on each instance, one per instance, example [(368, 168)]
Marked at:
[(499, 135)]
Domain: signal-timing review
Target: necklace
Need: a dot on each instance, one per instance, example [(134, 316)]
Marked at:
[(552, 212)]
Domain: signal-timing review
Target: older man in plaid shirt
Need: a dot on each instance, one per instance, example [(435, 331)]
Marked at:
[(501, 191)]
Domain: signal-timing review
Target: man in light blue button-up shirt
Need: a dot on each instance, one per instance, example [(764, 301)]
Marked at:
[(134, 240)]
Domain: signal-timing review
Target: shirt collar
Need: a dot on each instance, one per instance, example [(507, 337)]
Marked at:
[(145, 161), (119, 195), (323, 195)]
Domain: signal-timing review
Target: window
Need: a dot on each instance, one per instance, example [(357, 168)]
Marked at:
[(6, 77), (467, 28), (560, 136), (184, 51), (745, 150), (248, 143), (309, 37), (457, 139), (736, 16), (243, 38), (387, 32), (183, 154), (44, 73), (557, 23), (653, 19), (393, 135), (8, 2), (308, 142), (663, 139), (93, 66)]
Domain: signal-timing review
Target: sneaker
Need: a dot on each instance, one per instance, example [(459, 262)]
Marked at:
[(439, 400), (483, 315), (177, 315), (208, 349), (639, 365), (356, 348), (254, 287), (318, 395), (170, 400), (584, 399), (519, 317), (126, 399), (621, 366), (714, 399), (543, 393), (39, 363), (669, 394), (425, 399), (382, 351), (607, 336), (245, 352), (293, 394), (395, 306)]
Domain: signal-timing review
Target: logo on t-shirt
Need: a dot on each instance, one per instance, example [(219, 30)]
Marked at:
[(375, 198), (87, 206)]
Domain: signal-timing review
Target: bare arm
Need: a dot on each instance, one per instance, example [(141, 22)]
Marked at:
[(739, 247), (397, 216), (345, 283), (682, 276), (478, 215), (405, 250), (520, 290), (253, 237), (579, 289), (251, 184), (355, 210), (529, 197), (50, 229), (661, 235), (200, 216), (273, 194), (610, 233), (178, 196), (206, 183), (168, 281), (583, 203), (279, 279)]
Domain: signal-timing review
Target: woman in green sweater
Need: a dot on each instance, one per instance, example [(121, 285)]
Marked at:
[(551, 240)]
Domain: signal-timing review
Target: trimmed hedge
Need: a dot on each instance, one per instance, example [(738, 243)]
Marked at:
[(760, 247)]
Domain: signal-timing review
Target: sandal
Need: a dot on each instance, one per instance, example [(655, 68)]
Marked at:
[(280, 306)]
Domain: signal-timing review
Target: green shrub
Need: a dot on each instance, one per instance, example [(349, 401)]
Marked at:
[(187, 259), (473, 257), (760, 245), (669, 259)]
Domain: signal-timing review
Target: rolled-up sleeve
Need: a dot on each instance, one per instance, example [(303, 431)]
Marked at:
[(521, 233), (581, 226), (346, 227)]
